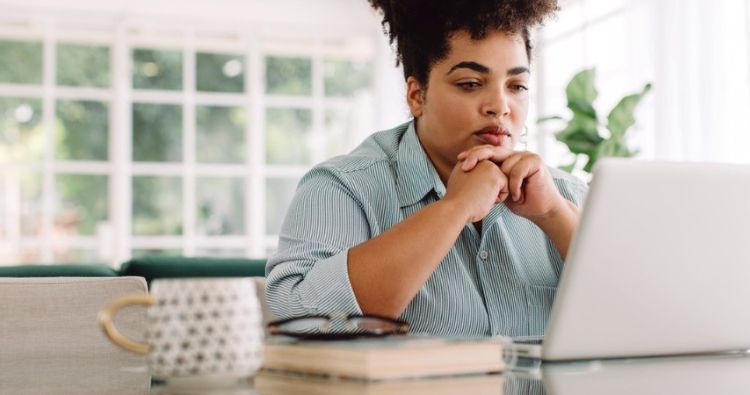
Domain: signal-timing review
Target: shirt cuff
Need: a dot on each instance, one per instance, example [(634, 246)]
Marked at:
[(328, 284)]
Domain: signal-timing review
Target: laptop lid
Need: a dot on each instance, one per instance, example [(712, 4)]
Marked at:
[(660, 263)]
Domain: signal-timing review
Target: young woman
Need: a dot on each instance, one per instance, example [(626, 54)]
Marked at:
[(439, 221)]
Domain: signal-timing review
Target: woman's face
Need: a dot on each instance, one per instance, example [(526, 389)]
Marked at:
[(477, 95)]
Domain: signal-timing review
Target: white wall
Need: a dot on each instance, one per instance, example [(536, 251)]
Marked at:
[(325, 14)]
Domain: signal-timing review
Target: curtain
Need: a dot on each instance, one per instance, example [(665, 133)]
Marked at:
[(700, 110)]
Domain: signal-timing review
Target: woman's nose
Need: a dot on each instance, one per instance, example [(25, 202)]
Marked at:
[(496, 104)]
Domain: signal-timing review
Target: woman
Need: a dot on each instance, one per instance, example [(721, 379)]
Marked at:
[(438, 221)]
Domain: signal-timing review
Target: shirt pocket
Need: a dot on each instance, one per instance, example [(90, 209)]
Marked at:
[(539, 301)]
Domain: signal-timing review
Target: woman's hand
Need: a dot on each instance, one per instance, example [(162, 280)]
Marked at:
[(533, 194), (477, 191)]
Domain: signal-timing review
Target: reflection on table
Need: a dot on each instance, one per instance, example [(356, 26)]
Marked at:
[(690, 375), (121, 375)]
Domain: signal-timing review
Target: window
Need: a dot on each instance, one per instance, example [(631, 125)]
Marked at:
[(116, 142)]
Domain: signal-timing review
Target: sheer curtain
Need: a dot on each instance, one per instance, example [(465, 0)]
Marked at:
[(700, 66)]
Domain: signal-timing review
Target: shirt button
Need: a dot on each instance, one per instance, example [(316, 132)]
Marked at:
[(483, 254)]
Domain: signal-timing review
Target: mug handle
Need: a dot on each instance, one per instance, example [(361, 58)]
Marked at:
[(105, 320)]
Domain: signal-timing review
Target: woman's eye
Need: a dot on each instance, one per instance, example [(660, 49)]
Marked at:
[(469, 85), (520, 88)]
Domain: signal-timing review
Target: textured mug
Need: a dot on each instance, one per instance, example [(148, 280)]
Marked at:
[(196, 327)]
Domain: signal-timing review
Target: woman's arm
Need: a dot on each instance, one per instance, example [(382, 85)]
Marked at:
[(387, 271), (326, 263)]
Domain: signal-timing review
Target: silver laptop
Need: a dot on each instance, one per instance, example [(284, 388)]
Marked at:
[(660, 265), (724, 374)]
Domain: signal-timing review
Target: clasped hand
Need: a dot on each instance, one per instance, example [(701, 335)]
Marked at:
[(487, 175)]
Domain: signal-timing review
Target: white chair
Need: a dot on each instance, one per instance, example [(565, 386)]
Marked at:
[(50, 340)]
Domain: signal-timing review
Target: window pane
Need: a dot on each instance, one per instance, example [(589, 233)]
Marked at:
[(157, 69), (288, 76), (82, 65), (82, 130), (21, 132), (220, 73), (221, 207), (157, 132), (346, 77), (157, 205), (64, 254), (140, 253), (337, 123), (22, 62), (220, 134), (31, 204), (279, 193), (288, 137), (81, 204)]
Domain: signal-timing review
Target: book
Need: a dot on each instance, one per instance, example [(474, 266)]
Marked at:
[(283, 384), (385, 358)]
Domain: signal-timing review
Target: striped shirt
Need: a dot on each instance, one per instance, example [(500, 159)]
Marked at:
[(499, 282)]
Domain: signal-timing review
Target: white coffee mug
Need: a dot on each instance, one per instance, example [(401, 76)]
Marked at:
[(210, 328)]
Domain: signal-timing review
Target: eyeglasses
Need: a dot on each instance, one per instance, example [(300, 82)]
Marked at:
[(337, 326)]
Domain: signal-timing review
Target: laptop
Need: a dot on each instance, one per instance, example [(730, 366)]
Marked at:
[(724, 374), (659, 265)]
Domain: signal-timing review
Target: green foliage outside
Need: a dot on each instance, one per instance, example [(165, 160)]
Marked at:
[(345, 77), (157, 69), (583, 133), (220, 73), (83, 65), (289, 76), (157, 132), (82, 129), (220, 134), (157, 205), (26, 67), (287, 136)]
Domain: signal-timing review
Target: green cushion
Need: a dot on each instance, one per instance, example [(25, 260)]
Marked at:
[(58, 270), (181, 267)]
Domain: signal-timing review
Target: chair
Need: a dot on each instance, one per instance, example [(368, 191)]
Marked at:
[(50, 340)]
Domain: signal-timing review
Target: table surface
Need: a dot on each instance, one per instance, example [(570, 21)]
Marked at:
[(687, 375)]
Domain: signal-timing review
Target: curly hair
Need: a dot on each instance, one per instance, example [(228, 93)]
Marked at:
[(421, 28)]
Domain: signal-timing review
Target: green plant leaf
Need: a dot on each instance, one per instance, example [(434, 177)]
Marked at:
[(590, 163), (621, 117), (581, 88), (614, 147), (581, 135), (581, 107)]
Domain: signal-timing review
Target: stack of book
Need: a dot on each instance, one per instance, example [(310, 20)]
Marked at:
[(391, 358)]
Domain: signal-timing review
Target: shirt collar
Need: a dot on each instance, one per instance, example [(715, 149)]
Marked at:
[(415, 174)]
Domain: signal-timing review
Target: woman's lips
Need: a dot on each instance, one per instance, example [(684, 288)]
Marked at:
[(493, 136)]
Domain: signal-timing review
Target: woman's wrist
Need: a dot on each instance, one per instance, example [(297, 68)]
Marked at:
[(561, 211), (454, 208)]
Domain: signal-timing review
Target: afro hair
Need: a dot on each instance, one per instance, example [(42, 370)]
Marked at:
[(421, 28)]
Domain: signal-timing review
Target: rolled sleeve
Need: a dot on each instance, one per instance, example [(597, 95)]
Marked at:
[(309, 273), (325, 289)]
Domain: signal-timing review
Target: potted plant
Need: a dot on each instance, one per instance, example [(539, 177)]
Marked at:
[(585, 134)]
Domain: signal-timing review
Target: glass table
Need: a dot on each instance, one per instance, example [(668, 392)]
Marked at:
[(687, 375)]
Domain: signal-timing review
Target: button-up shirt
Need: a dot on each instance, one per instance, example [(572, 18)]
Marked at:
[(499, 282)]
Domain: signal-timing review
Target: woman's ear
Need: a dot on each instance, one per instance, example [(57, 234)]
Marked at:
[(415, 96)]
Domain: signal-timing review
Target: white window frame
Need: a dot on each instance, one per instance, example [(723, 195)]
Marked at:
[(115, 244)]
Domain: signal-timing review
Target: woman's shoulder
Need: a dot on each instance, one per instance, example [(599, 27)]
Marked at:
[(569, 185), (376, 153)]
